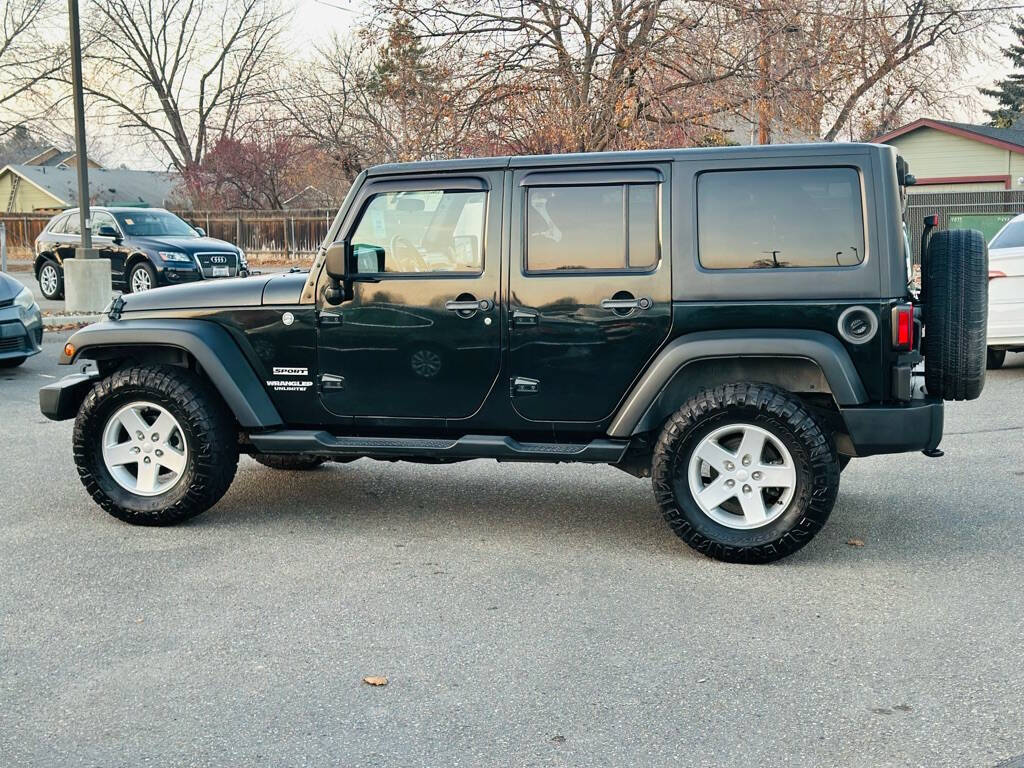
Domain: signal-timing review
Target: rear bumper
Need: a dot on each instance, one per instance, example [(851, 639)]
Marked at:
[(62, 399), (913, 426)]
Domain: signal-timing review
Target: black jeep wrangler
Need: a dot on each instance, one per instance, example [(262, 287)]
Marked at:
[(735, 323)]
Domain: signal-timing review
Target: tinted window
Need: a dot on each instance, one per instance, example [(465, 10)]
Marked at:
[(73, 224), (1011, 236), (102, 219), (421, 231), (58, 224), (805, 217), (586, 228)]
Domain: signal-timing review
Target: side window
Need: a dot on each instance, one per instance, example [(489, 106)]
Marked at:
[(775, 218), (601, 228), (421, 231), (57, 227), (102, 219), (72, 226)]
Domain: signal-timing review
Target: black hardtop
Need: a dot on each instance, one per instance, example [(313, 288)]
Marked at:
[(821, 149)]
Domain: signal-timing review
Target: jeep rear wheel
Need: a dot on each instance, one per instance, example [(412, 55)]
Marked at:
[(744, 473), (155, 445), (288, 461), (955, 296)]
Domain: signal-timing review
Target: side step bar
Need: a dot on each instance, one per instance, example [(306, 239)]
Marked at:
[(322, 443)]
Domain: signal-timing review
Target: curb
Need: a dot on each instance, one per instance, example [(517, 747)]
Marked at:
[(50, 321)]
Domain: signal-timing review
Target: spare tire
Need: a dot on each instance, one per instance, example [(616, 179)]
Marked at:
[(955, 296)]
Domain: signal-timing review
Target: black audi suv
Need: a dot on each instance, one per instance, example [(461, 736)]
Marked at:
[(147, 247)]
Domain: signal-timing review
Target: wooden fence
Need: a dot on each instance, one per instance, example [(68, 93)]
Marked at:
[(263, 235)]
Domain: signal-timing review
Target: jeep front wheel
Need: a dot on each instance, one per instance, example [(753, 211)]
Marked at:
[(155, 445), (744, 473)]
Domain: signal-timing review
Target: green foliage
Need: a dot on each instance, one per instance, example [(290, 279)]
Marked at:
[(1009, 93)]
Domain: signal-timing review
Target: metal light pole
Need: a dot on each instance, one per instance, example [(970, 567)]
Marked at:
[(85, 225), (86, 277)]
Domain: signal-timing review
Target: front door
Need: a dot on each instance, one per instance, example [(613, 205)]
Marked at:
[(421, 338), (590, 287), (109, 247)]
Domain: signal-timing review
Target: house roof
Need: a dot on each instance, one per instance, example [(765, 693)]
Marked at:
[(107, 186), (1005, 138)]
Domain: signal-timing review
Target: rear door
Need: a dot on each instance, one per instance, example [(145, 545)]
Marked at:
[(590, 287), (1006, 286)]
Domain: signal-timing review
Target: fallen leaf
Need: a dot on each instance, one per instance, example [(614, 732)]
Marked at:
[(375, 680), (855, 542)]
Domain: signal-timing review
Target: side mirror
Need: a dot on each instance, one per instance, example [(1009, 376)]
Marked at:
[(336, 266), (200, 231), (107, 231)]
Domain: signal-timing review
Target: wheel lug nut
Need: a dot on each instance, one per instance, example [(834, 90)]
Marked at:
[(140, 436), (155, 437), (746, 461), (159, 452), (746, 489), (730, 466), (757, 475), (146, 460), (730, 483), (136, 449)]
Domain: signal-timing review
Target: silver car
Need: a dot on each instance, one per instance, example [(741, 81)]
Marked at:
[(21, 323)]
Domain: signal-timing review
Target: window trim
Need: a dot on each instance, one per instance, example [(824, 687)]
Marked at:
[(597, 180), (786, 270), (454, 185)]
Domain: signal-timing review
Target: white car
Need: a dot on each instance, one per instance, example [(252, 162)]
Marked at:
[(1006, 292)]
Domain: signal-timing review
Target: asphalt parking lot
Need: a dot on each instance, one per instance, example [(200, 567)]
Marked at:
[(525, 615)]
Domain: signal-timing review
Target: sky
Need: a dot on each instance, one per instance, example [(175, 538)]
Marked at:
[(314, 21)]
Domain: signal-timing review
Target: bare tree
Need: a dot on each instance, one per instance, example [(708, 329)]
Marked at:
[(27, 60), (183, 72)]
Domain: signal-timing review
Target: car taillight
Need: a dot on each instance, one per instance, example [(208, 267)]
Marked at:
[(903, 326), (994, 273)]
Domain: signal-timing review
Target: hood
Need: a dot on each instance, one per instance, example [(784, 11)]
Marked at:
[(187, 245), (9, 288), (225, 292), (252, 291)]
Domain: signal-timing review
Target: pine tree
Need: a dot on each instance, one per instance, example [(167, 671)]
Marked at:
[(1009, 93)]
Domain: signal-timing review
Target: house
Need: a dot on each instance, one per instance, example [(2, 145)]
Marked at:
[(960, 157), (46, 188), (55, 157)]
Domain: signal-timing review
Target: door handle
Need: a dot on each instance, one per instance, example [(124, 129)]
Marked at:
[(468, 305), (642, 303)]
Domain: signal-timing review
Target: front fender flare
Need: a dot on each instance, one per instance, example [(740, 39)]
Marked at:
[(821, 348), (211, 346)]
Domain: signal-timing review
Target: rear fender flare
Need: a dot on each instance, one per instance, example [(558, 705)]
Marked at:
[(646, 402), (209, 344)]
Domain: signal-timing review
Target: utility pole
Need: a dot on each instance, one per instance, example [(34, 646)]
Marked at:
[(86, 277)]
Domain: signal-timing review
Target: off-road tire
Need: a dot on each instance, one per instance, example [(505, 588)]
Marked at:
[(955, 296), (58, 293), (785, 417), (288, 461), (994, 359), (12, 362), (206, 423)]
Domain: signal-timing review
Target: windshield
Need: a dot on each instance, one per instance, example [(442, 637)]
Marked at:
[(1010, 236), (144, 223)]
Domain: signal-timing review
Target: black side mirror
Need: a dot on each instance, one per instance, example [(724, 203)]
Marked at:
[(200, 231), (107, 231), (336, 265)]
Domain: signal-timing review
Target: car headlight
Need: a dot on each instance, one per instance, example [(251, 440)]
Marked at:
[(174, 256), (24, 299)]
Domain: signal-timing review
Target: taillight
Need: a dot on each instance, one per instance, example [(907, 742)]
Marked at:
[(903, 326), (994, 273)]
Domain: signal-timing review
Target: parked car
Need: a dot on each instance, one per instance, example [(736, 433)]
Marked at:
[(21, 323), (734, 323), (147, 247), (1006, 292)]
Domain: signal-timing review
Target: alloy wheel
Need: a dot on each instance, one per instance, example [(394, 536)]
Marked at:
[(144, 449)]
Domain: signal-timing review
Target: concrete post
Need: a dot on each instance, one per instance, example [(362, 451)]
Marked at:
[(86, 282), (3, 246)]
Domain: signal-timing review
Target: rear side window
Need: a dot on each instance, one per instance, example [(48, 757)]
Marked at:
[(599, 228), (777, 218), (57, 226), (1010, 236)]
